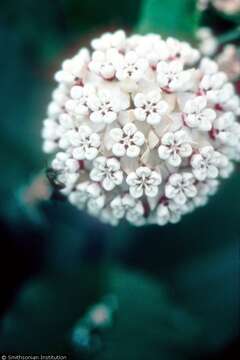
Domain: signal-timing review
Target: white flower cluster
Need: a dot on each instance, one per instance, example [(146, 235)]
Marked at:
[(141, 128)]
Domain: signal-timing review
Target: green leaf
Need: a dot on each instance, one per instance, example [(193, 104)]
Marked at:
[(177, 18), (48, 307), (148, 325)]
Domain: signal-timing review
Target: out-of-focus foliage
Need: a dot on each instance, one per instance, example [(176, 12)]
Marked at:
[(180, 293), (43, 318), (170, 18)]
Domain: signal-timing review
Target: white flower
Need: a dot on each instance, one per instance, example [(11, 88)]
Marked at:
[(80, 196), (229, 61), (211, 82), (226, 129), (174, 147), (208, 66), (131, 67), (150, 107), (50, 136), (225, 98), (78, 104), (126, 206), (179, 50), (85, 143), (73, 70), (144, 181), (105, 107), (171, 76), (168, 211), (127, 141), (64, 161), (136, 215), (180, 187), (227, 170), (88, 194), (153, 49), (67, 170), (208, 43), (107, 171), (59, 98), (110, 40), (197, 114), (103, 63), (205, 164)]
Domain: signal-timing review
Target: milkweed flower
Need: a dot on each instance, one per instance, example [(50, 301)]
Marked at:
[(141, 128)]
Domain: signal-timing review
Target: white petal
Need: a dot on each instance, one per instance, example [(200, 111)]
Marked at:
[(139, 100), (151, 190), (138, 138), (109, 117), (164, 152), (185, 150), (116, 134), (168, 139), (108, 184), (78, 153), (140, 114), (174, 159), (136, 191), (96, 175), (153, 118), (133, 151), (170, 191), (212, 171), (175, 179), (113, 164), (180, 198), (118, 149), (96, 117), (129, 129), (131, 179), (91, 153)]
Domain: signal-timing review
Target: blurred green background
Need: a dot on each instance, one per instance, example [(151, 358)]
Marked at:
[(177, 286)]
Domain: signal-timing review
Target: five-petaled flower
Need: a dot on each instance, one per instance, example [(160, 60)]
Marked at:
[(226, 129), (77, 105), (168, 211), (127, 206), (73, 69), (126, 141), (67, 170), (107, 172), (144, 181), (103, 63), (198, 115), (109, 40), (88, 194), (105, 107), (150, 107), (175, 147), (171, 76), (85, 143), (180, 187), (130, 67), (206, 163)]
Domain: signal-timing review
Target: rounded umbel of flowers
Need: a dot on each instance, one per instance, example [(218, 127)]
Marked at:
[(141, 128)]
